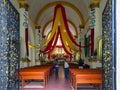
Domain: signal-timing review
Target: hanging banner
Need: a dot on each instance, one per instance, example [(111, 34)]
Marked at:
[(92, 18), (25, 24)]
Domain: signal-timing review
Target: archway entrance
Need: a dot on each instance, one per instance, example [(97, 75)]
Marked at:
[(9, 60)]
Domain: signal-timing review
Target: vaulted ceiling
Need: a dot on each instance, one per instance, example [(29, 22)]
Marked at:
[(41, 11)]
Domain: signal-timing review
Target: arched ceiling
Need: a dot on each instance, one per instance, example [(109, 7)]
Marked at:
[(42, 11)]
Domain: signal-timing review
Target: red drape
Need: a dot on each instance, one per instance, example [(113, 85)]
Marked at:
[(54, 39), (92, 42), (50, 47), (26, 41), (66, 25)]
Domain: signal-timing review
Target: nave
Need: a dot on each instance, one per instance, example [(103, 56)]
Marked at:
[(59, 83), (19, 50)]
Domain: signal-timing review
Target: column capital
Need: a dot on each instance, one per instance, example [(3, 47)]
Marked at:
[(81, 26), (37, 26), (94, 4), (23, 4)]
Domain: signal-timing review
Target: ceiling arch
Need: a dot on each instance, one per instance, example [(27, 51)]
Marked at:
[(69, 21), (59, 2)]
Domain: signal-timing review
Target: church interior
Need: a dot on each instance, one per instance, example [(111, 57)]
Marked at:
[(39, 36)]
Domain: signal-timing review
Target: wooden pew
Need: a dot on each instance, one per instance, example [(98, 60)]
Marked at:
[(75, 73), (35, 73), (88, 79)]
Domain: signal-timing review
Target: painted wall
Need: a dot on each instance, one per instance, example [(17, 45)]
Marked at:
[(31, 30), (98, 29), (98, 32), (32, 41)]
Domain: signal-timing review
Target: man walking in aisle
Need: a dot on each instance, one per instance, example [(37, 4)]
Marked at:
[(66, 69)]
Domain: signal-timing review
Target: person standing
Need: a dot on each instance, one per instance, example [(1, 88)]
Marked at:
[(56, 68), (66, 69)]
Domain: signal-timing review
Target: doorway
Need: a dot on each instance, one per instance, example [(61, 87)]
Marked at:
[(10, 57)]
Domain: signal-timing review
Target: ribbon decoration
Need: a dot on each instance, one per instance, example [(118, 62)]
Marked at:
[(60, 27), (51, 45), (33, 46), (100, 49), (67, 44), (54, 28)]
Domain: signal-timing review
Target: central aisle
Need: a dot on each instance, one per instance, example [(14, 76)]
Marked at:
[(58, 83), (55, 83)]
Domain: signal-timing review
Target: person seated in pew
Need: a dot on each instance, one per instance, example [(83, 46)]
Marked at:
[(86, 66), (81, 63)]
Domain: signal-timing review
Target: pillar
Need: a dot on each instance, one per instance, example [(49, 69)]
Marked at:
[(95, 20), (37, 43), (24, 33), (81, 41)]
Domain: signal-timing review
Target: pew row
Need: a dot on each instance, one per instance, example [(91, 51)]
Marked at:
[(85, 76), (36, 73)]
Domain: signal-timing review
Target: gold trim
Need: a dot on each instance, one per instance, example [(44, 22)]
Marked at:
[(43, 36), (94, 4), (25, 60), (23, 4), (59, 2), (37, 26), (81, 26), (37, 60)]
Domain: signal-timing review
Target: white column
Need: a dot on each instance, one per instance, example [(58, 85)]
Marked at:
[(95, 21), (37, 43), (81, 39), (23, 25), (97, 29)]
